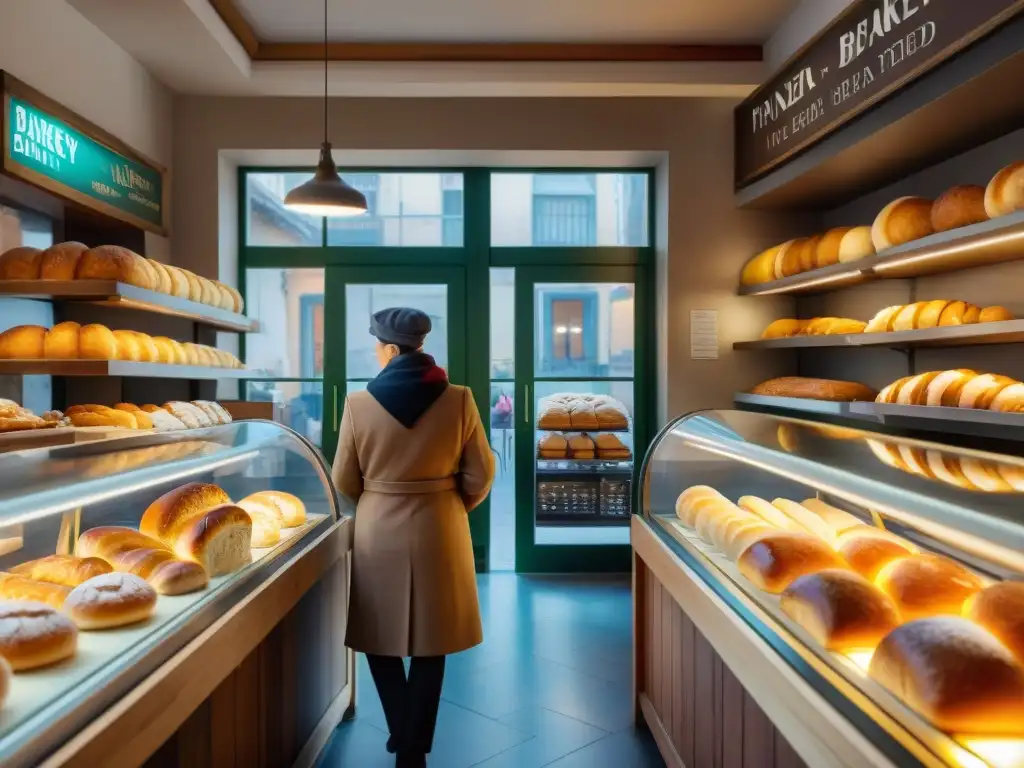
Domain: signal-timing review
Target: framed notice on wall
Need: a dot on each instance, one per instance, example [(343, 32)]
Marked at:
[(53, 148), (874, 48)]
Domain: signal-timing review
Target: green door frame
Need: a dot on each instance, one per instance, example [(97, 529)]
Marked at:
[(336, 280), (531, 557)]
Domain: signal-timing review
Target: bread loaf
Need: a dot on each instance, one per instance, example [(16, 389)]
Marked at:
[(13, 587), (61, 341), (761, 268), (266, 522), (815, 389), (582, 447), (837, 519), (868, 550), (293, 511), (915, 390), (97, 342), (192, 416), (148, 352), (168, 516), (770, 514), (687, 503), (219, 539), (781, 329), (955, 674), (20, 263), (179, 283), (34, 634), (827, 252), (959, 207), (60, 261), (111, 262), (127, 346), (953, 313), (856, 245), (1009, 400), (931, 313), (553, 446), (981, 391), (903, 220), (163, 277), (110, 600), (995, 315), (66, 570), (1005, 193), (841, 610), (208, 293), (775, 561), (167, 574), (105, 541), (610, 447), (1000, 610), (23, 342), (807, 520), (927, 585), (906, 318), (882, 322), (984, 475), (239, 302), (946, 468)]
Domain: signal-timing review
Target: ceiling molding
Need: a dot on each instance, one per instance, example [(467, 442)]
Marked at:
[(505, 53)]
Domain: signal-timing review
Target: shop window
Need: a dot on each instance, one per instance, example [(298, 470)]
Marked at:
[(569, 209), (288, 304), (452, 205), (366, 230), (570, 342), (268, 222)]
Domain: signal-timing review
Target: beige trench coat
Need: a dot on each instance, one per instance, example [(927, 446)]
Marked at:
[(413, 578)]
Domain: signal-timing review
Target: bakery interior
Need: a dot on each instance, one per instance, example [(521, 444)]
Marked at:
[(737, 289)]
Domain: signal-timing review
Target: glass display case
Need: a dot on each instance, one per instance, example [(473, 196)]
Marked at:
[(78, 500), (888, 580)]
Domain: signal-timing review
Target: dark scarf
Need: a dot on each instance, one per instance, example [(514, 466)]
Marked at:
[(408, 386)]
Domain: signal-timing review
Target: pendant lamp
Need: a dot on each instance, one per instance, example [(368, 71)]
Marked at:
[(326, 194)]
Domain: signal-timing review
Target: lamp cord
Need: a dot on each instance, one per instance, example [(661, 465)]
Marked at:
[(325, 71)]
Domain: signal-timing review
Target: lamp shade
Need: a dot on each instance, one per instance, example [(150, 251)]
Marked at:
[(326, 194)]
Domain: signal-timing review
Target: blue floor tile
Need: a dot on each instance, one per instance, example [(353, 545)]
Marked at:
[(550, 685)]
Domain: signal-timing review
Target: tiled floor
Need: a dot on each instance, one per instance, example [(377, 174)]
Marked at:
[(550, 685)]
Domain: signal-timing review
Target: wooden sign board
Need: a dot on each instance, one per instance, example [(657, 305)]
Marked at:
[(869, 52)]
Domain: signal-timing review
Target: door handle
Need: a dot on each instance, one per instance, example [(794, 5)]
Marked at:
[(335, 408), (526, 403)]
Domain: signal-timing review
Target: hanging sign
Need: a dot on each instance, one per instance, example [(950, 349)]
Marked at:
[(871, 50), (55, 149)]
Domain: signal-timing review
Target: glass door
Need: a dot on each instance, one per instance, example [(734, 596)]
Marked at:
[(353, 294), (579, 373)]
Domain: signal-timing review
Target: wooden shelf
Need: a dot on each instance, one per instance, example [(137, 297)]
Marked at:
[(977, 334), (990, 242), (959, 105), (114, 294), (120, 368)]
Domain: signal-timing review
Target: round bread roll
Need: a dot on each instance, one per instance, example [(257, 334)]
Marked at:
[(97, 342), (293, 511), (982, 390), (902, 221), (1009, 400), (856, 245), (127, 346), (195, 288), (225, 300), (995, 315), (209, 294), (789, 260), (775, 561), (164, 350), (760, 269), (827, 251), (959, 207), (955, 674), (972, 314), (61, 341), (927, 585), (112, 262), (906, 318), (266, 522), (192, 353), (179, 283), (915, 391), (180, 353), (781, 329), (808, 253), (20, 263), (163, 277), (869, 551), (23, 342), (1000, 610), (148, 353), (841, 610), (60, 261), (34, 635), (239, 302), (953, 313), (110, 600), (930, 313), (167, 516), (1005, 193)]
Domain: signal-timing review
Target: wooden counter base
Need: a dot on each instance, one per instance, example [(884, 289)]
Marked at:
[(712, 692), (263, 686)]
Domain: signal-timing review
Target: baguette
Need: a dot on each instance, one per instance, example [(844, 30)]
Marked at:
[(815, 389)]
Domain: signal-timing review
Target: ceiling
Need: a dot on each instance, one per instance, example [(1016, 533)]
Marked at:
[(519, 21), (471, 48)]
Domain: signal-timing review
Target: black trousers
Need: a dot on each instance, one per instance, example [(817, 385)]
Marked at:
[(410, 704)]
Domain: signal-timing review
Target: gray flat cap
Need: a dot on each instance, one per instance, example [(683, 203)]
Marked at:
[(401, 325)]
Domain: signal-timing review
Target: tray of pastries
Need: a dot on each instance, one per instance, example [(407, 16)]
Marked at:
[(606, 446), (582, 412)]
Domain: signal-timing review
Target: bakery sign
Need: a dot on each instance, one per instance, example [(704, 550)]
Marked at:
[(871, 50), (55, 149)]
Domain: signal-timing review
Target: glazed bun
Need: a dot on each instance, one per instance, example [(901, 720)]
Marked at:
[(110, 600), (775, 561), (927, 585), (1000, 610)]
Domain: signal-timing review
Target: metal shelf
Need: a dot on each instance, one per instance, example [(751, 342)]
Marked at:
[(1004, 332), (800, 404), (121, 368), (963, 421), (114, 294), (990, 242)]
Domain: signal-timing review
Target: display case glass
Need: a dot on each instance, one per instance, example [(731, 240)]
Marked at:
[(51, 498), (953, 518)]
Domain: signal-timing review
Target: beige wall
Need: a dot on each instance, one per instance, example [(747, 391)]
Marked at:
[(703, 240), (53, 48)]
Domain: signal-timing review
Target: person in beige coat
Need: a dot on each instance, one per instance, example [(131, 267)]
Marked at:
[(414, 458)]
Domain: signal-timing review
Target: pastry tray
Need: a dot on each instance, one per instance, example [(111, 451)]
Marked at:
[(1004, 753), (115, 294), (36, 691)]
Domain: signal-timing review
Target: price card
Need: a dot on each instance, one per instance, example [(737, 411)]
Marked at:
[(703, 334)]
